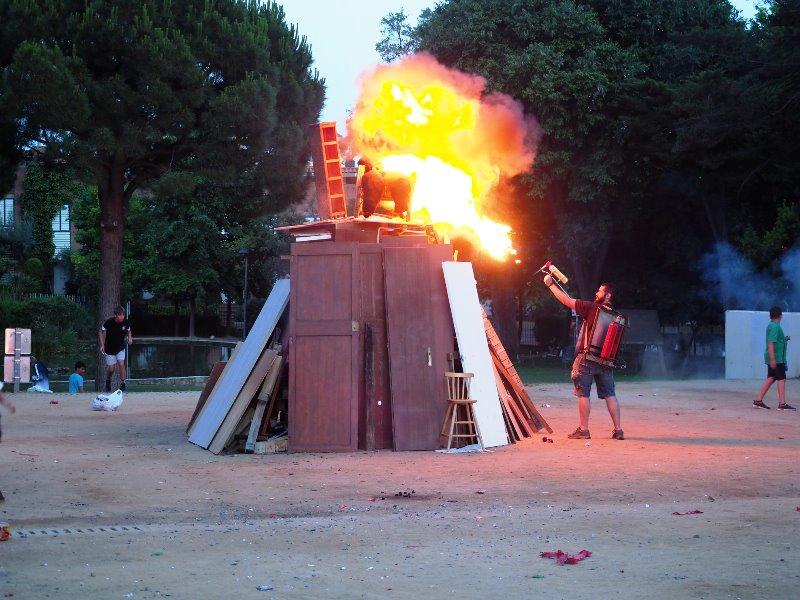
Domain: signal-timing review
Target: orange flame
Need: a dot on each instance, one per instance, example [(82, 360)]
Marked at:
[(421, 119)]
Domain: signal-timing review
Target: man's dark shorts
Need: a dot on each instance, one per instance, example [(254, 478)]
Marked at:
[(778, 373), (586, 371)]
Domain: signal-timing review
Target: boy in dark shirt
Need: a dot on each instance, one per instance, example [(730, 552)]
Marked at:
[(112, 335)]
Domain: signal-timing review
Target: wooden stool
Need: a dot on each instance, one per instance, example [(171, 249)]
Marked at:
[(460, 414)]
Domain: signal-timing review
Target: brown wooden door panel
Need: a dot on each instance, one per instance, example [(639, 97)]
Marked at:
[(444, 334), (324, 348), (419, 396), (327, 284), (319, 417)]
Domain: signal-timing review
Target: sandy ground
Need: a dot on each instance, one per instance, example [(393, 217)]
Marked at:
[(121, 505)]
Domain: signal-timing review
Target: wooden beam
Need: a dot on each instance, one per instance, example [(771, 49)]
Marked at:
[(263, 398), (242, 401), (506, 368)]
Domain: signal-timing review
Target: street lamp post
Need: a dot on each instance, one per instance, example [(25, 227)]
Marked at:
[(244, 252)]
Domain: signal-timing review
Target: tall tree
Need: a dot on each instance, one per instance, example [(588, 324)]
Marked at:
[(632, 179), (397, 37), (127, 91)]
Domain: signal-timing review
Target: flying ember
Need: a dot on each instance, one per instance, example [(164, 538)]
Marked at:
[(456, 143)]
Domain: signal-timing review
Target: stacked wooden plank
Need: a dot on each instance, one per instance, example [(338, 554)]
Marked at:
[(250, 378), (519, 412)]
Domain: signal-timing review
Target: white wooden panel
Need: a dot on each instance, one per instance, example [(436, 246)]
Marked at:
[(746, 340), (473, 346), (217, 406)]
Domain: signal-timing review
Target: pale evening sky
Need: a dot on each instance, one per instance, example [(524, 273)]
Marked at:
[(343, 34)]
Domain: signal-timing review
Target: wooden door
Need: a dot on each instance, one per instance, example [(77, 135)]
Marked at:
[(420, 334), (324, 357)]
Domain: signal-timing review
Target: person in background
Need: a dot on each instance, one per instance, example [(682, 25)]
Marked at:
[(40, 376), (10, 406), (113, 334), (76, 379), (775, 358)]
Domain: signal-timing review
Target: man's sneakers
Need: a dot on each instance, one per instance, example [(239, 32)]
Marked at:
[(579, 434), (617, 434), (785, 406), (108, 386), (122, 386)]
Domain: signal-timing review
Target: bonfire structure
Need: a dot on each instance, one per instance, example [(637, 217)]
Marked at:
[(353, 349)]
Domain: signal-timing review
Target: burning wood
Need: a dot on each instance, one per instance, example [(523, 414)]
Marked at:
[(435, 134)]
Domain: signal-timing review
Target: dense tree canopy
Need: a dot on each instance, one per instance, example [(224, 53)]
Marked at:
[(668, 126), (126, 92)]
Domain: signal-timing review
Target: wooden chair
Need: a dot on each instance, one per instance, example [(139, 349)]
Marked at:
[(459, 419)]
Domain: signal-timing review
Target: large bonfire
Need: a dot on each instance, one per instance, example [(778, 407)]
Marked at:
[(457, 142)]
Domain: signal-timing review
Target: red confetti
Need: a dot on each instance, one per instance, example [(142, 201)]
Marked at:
[(271, 515), (53, 401), (690, 512), (343, 506), (372, 499), (798, 509), (562, 558)]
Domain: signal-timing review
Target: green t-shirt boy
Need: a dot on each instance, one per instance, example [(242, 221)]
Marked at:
[(776, 337)]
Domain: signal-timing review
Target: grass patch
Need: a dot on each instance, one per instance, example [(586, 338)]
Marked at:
[(556, 372)]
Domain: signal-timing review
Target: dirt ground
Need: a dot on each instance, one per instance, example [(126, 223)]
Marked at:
[(121, 505)]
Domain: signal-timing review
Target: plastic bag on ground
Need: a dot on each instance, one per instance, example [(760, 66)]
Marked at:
[(107, 402)]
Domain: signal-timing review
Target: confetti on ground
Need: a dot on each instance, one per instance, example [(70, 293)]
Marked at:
[(690, 512), (562, 558)]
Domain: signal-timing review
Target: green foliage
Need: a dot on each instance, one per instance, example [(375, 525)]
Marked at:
[(182, 239), (127, 92), (34, 268), (765, 248), (15, 243), (58, 325), (21, 283), (397, 37), (47, 188), (668, 126), (85, 217)]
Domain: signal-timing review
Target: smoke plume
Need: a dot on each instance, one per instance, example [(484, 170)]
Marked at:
[(736, 285)]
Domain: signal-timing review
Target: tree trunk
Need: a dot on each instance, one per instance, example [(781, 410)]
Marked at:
[(113, 215)]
